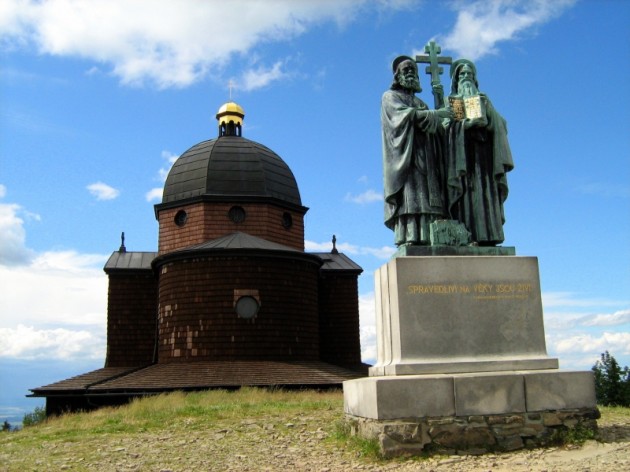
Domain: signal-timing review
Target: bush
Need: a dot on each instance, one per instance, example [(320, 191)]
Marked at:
[(612, 383), (37, 416)]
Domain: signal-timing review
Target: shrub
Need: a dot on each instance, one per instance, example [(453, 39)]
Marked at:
[(38, 415)]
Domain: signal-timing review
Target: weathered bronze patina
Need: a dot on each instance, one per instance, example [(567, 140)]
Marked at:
[(444, 169), (413, 163), (478, 158)]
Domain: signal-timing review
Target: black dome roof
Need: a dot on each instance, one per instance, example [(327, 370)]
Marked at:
[(230, 166)]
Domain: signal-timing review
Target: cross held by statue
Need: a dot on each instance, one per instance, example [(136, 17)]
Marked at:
[(434, 70)]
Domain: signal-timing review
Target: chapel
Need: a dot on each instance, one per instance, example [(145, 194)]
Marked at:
[(230, 298)]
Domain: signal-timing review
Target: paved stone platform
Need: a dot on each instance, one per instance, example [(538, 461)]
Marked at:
[(483, 393)]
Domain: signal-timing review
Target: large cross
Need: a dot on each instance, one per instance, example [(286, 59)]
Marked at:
[(434, 69)]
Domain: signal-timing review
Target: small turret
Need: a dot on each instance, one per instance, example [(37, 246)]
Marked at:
[(230, 117)]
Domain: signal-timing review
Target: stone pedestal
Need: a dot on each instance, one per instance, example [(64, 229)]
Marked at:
[(459, 314), (461, 339)]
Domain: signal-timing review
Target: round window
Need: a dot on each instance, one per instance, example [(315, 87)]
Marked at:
[(247, 307), (181, 217), (237, 214), (287, 220)]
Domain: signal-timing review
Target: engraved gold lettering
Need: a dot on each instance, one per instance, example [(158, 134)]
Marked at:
[(505, 288), (480, 290), (483, 288)]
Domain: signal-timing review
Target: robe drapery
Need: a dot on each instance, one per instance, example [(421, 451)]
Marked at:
[(413, 167), (478, 160)]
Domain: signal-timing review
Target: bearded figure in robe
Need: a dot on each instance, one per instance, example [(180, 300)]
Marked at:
[(414, 177), (479, 157)]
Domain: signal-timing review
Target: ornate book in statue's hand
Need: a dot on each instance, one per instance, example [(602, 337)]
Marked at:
[(469, 107)]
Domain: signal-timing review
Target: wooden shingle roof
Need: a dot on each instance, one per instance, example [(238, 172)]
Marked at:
[(83, 382), (200, 375)]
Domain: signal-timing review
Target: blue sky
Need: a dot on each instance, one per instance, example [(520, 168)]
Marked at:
[(98, 97)]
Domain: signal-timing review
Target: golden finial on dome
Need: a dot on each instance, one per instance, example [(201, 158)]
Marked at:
[(230, 117)]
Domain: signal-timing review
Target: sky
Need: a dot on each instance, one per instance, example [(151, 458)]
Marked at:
[(98, 98)]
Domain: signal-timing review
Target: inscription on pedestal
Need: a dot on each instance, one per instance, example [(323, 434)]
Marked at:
[(479, 291), (459, 314)]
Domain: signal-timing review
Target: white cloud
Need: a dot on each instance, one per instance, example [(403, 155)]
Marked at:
[(169, 44), (561, 321), (56, 288), (170, 158), (103, 191), (317, 247), (27, 342), (613, 319), (83, 265), (154, 194), (574, 330), (482, 24), (60, 302), (617, 343), (12, 235), (53, 304), (261, 76), (367, 315), (368, 196), (92, 71), (566, 310), (384, 252), (369, 353), (14, 19)]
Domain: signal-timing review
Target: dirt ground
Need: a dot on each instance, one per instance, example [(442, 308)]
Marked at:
[(292, 444)]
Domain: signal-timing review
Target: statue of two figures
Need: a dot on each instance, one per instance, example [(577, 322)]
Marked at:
[(444, 168)]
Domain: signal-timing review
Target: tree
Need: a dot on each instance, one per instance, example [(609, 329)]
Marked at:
[(6, 426), (612, 383)]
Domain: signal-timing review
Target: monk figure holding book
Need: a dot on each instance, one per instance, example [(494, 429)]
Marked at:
[(478, 158)]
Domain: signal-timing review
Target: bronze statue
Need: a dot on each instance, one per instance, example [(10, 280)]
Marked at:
[(413, 158), (478, 158)]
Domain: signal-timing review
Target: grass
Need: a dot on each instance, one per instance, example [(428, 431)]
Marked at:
[(610, 415), (615, 414), (575, 436), (196, 410), (202, 431), (162, 422), (368, 448)]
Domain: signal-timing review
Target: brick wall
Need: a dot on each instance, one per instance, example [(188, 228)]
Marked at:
[(198, 321), (131, 318), (208, 221), (172, 236), (339, 319)]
